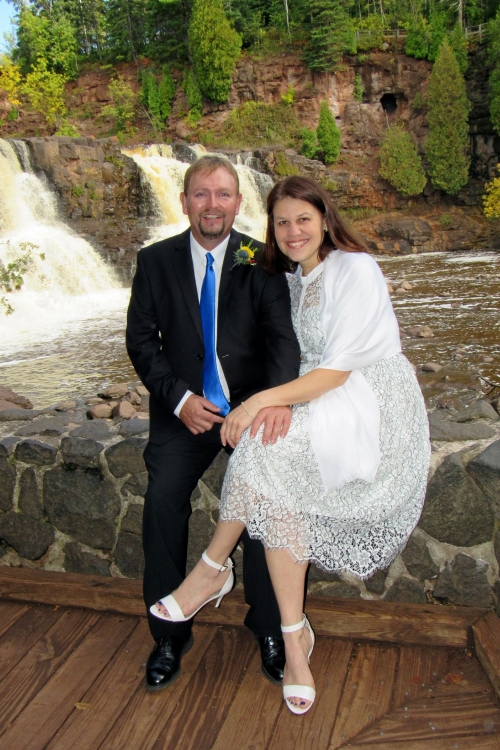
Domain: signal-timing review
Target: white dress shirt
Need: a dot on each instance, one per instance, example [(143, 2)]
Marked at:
[(198, 254)]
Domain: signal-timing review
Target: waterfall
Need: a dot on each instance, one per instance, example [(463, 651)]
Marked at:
[(164, 176), (65, 273)]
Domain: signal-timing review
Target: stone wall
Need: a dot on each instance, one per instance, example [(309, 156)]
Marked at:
[(72, 483)]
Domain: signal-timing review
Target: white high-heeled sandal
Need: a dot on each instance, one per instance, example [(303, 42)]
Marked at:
[(299, 691), (175, 613)]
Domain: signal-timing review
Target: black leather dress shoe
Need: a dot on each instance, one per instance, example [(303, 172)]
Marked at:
[(272, 652), (164, 663)]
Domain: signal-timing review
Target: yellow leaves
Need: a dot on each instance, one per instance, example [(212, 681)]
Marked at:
[(10, 79), (491, 199)]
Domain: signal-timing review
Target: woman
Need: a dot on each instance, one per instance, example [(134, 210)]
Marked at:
[(345, 487)]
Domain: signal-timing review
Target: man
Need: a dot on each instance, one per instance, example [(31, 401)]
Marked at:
[(203, 333)]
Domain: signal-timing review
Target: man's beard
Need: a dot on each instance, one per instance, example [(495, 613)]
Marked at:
[(210, 234)]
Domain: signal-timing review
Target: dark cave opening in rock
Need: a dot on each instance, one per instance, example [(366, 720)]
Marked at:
[(389, 103)]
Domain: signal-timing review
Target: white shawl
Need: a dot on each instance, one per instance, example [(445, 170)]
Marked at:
[(360, 328)]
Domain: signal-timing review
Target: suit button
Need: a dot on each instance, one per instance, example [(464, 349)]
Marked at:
[(199, 356)]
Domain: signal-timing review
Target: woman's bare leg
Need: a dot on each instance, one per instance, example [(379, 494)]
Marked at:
[(203, 581), (288, 577)]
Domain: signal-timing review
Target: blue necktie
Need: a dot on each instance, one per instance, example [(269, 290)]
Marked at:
[(211, 383)]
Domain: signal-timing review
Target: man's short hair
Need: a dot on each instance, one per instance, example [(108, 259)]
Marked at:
[(208, 164)]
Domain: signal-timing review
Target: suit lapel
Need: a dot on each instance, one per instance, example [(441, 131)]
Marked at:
[(228, 276), (183, 264)]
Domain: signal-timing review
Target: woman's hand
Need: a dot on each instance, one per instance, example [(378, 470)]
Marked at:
[(234, 425)]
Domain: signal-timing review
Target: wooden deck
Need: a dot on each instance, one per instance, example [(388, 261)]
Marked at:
[(73, 677)]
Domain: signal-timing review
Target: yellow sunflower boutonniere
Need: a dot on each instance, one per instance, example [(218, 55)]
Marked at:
[(245, 255)]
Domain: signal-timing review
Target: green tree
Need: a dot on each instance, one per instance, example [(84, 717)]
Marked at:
[(417, 41), (329, 137), (400, 163), (214, 47), (330, 34), (10, 79), (310, 146), (194, 96), (46, 40), (126, 29), (458, 43), (447, 146), (437, 31), (494, 81), (156, 96), (45, 91), (123, 108)]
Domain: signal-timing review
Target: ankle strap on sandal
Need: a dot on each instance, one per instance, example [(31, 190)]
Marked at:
[(293, 628), (217, 566)]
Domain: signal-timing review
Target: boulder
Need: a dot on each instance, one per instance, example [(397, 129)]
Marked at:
[(100, 411), (83, 505), (455, 510), (442, 429), (7, 483), (315, 574), (18, 415), (376, 584), (134, 426), (49, 426), (431, 367), (29, 537), (142, 390), (129, 555), (340, 589), (81, 452), (133, 520), (94, 430), (406, 590), (29, 497), (35, 452), (118, 390), (418, 560), (464, 581), (137, 484), (8, 395), (126, 457), (124, 410), (485, 468), (77, 560), (480, 409)]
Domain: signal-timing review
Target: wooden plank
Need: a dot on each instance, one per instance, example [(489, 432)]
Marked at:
[(23, 635), (444, 716), (146, 714), (253, 713), (487, 644), (200, 712), (485, 742), (418, 668), (329, 664), (41, 662), (342, 618), (41, 719), (9, 613), (86, 729), (367, 691)]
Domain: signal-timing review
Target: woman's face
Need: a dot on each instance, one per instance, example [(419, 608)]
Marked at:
[(299, 228)]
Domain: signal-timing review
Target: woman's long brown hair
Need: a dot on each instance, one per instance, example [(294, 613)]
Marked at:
[(337, 236)]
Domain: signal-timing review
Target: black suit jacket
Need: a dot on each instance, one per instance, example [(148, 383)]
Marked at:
[(256, 344)]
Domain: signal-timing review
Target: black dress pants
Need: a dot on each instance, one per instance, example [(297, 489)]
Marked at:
[(174, 469)]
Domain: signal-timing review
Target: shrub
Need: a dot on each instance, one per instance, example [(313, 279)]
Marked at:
[(66, 128), (45, 91), (256, 124), (10, 79), (358, 88), (284, 168), (329, 137), (156, 96), (418, 102), (289, 97), (417, 42), (400, 163), (122, 111), (491, 198), (310, 145), (194, 97)]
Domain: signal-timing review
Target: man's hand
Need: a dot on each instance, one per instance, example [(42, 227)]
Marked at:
[(199, 414), (276, 420)]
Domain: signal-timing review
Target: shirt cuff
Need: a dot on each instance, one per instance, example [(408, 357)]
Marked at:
[(181, 403)]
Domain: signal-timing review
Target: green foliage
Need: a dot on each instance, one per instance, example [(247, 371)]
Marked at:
[(194, 97), (329, 137), (46, 40), (157, 96), (310, 146), (437, 31), (458, 43), (417, 43), (400, 163), (283, 167), (256, 124), (447, 146), (122, 110), (418, 102), (11, 275), (45, 91), (330, 34), (371, 34), (358, 88), (491, 198), (214, 47), (289, 97), (446, 221), (65, 128), (494, 81)]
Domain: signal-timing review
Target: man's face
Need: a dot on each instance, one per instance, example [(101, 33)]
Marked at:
[(211, 203)]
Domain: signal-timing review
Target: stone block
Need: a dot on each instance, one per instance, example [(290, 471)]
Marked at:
[(81, 452), (7, 484), (129, 555), (77, 560), (29, 537), (376, 584), (315, 574), (94, 430), (442, 429), (418, 560), (29, 497), (137, 484), (35, 452), (455, 509), (126, 457), (485, 468), (339, 589), (201, 530), (214, 475), (100, 411), (18, 415), (464, 581), (406, 590), (134, 426), (133, 520), (49, 426), (8, 445), (83, 505)]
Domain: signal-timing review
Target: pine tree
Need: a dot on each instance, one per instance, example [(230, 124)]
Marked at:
[(447, 146), (214, 47), (329, 137), (331, 33), (494, 82), (400, 163)]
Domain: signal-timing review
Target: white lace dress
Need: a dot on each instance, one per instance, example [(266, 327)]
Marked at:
[(279, 491)]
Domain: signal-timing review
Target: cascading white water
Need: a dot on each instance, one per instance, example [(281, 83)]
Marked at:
[(165, 174)]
